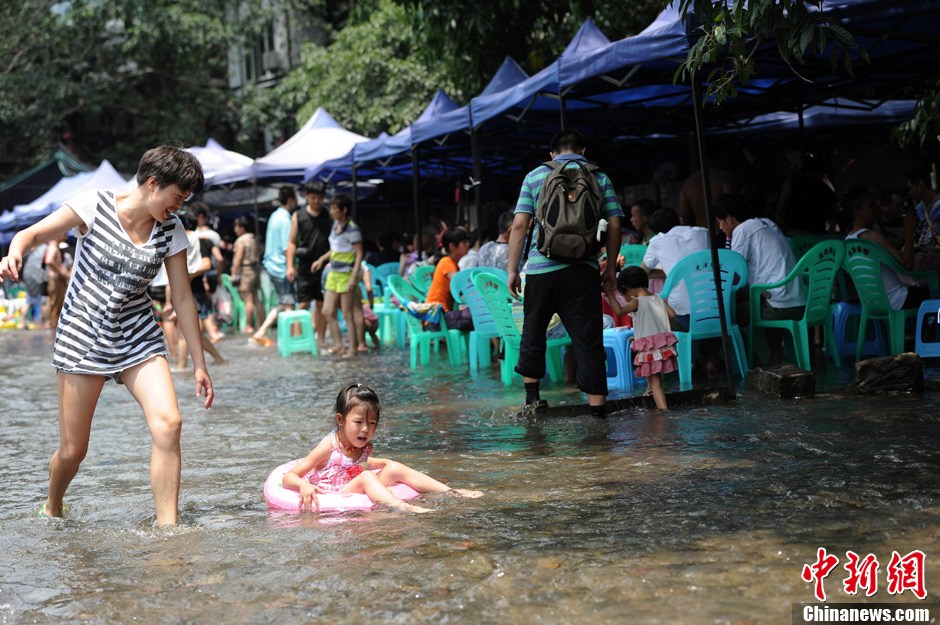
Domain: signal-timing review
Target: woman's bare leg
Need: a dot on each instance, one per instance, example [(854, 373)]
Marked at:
[(151, 385), (346, 301), (78, 396), (330, 304)]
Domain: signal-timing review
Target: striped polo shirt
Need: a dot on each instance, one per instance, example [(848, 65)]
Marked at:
[(342, 246), (529, 197)]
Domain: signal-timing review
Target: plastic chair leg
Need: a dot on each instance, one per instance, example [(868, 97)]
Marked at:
[(685, 360)]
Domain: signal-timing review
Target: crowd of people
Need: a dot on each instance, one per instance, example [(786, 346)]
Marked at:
[(148, 282)]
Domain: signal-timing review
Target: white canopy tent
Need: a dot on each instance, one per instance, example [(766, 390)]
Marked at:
[(319, 140), (221, 166)]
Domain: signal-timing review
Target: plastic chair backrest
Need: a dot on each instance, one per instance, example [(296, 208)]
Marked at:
[(801, 243), (464, 290), (632, 254), (385, 270), (377, 286), (422, 277), (696, 271), (499, 302), (404, 290), (864, 261), (822, 262)]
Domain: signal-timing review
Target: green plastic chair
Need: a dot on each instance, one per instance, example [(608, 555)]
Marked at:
[(632, 254), (238, 304), (864, 261), (420, 336), (802, 243), (704, 321), (821, 263), (422, 277), (499, 301)]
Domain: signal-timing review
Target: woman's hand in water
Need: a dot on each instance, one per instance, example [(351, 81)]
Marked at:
[(308, 497)]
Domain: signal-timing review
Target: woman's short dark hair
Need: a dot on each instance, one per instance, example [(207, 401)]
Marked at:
[(343, 202), (244, 222), (171, 165)]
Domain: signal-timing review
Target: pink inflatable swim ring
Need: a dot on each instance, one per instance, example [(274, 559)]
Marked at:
[(282, 498)]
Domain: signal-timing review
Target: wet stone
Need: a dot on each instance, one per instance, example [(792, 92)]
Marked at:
[(903, 373), (784, 381)]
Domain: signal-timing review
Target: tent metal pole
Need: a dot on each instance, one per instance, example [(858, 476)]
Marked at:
[(709, 218), (564, 112), (414, 190), (477, 176), (254, 188), (355, 187)]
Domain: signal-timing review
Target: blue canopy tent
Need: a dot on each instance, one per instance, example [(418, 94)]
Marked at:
[(104, 177)]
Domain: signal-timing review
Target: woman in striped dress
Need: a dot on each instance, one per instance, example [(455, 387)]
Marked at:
[(107, 328)]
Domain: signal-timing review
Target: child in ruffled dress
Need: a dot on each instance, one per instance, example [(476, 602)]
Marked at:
[(342, 460), (653, 341)]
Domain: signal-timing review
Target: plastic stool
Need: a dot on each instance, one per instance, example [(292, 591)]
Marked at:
[(305, 342), (619, 370), (877, 344), (927, 334)]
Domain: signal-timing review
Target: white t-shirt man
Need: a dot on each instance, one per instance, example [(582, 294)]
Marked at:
[(769, 259), (668, 248)]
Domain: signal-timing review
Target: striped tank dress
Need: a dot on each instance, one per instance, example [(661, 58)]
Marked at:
[(107, 324)]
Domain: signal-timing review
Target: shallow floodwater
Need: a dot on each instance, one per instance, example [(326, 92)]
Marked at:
[(701, 515)]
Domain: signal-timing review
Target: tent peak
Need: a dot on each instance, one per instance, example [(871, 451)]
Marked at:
[(588, 37), (509, 73)]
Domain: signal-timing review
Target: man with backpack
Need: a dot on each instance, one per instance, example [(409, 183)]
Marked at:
[(573, 205)]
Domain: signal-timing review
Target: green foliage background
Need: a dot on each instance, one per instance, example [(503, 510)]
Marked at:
[(124, 75)]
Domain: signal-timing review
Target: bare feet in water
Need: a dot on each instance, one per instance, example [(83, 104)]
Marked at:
[(463, 492)]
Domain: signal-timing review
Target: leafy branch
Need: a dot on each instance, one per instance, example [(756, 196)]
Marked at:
[(731, 33)]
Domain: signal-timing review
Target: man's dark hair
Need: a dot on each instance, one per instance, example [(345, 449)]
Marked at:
[(663, 220), (315, 187), (568, 141), (919, 175), (285, 194), (731, 205), (646, 206), (855, 198), (199, 209), (505, 220)]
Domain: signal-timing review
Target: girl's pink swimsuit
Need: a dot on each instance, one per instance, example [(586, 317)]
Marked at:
[(340, 469)]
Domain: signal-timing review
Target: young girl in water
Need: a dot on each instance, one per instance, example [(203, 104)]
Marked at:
[(342, 461), (652, 340), (107, 329)]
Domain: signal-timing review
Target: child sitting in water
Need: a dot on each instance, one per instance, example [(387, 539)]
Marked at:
[(342, 460), (653, 342)]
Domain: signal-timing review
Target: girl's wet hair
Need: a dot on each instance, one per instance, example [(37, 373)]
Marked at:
[(353, 395), (632, 277), (171, 165)]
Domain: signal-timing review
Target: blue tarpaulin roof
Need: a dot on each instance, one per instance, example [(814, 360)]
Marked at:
[(458, 120)]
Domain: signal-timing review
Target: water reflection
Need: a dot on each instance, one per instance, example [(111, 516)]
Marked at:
[(701, 515)]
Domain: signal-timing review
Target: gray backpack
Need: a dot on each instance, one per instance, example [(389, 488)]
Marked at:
[(568, 211)]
